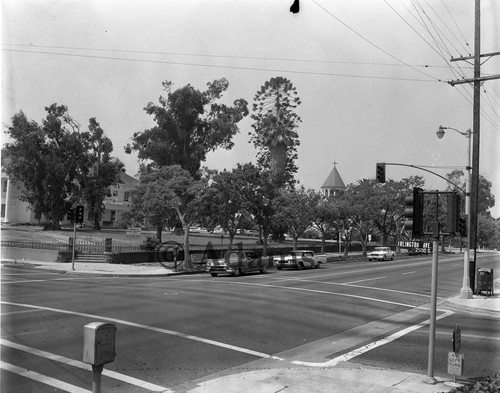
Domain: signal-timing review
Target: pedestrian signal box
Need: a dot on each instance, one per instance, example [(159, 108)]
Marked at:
[(99, 343)]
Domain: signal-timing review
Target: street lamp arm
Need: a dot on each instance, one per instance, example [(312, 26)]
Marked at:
[(467, 133), (423, 169)]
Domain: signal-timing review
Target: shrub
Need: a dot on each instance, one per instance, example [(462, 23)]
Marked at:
[(484, 385)]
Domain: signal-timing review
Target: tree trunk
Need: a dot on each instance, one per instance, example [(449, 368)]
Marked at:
[(159, 230), (187, 255), (277, 162)]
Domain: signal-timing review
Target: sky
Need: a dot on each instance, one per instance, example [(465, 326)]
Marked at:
[(372, 74)]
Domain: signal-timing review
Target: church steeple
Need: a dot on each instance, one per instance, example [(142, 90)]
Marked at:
[(333, 185)]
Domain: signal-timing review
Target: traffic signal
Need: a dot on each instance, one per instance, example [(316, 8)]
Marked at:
[(69, 214), (462, 226), (453, 212), (414, 212), (79, 214), (380, 172)]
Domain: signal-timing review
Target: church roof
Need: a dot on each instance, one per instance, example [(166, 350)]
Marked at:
[(334, 180)]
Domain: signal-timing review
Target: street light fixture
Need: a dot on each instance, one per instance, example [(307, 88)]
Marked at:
[(465, 291)]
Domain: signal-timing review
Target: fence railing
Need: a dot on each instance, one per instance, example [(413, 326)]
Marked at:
[(83, 247)]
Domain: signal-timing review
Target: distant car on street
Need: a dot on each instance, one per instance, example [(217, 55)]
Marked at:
[(298, 259), (381, 254), (237, 263)]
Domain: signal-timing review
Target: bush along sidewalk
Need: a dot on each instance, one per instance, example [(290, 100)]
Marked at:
[(483, 385)]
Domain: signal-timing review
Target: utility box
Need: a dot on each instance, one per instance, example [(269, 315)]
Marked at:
[(484, 280), (99, 343)]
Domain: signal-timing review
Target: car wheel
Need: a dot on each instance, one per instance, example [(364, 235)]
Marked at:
[(279, 268), (263, 270), (213, 274), (237, 273), (300, 266), (369, 260)]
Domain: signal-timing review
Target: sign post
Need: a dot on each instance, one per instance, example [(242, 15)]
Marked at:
[(456, 358)]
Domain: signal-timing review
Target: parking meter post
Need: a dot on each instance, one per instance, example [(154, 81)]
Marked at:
[(96, 379)]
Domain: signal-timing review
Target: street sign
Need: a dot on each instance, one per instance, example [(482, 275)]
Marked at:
[(455, 363)]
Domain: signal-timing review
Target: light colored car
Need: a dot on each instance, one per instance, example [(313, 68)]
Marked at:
[(298, 259), (381, 254), (236, 263)]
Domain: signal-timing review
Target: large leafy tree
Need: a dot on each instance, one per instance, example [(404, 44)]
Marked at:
[(189, 124), (226, 201), (166, 190), (295, 208), (275, 124), (99, 170), (43, 160)]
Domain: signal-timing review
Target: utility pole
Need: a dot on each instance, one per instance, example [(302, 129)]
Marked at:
[(476, 113)]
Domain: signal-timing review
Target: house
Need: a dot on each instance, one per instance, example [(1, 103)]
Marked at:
[(13, 210)]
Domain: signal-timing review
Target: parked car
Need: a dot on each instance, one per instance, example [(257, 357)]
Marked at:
[(236, 263), (298, 259), (381, 254)]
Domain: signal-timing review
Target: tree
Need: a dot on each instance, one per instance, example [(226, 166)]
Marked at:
[(169, 189), (275, 136), (227, 200), (44, 161), (99, 170), (323, 216), (295, 208), (189, 124)]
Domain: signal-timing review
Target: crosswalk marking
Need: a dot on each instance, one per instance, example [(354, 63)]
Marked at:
[(43, 378), (75, 363)]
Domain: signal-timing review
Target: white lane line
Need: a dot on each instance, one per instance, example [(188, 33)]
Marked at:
[(330, 293), (19, 312), (367, 279), (44, 280), (75, 363), (368, 347), (404, 274), (359, 286), (152, 328), (43, 378)]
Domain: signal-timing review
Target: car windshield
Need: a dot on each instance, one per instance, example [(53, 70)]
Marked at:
[(380, 249)]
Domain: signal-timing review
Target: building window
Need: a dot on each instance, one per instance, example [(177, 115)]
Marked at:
[(4, 185), (126, 196), (115, 193), (3, 210)]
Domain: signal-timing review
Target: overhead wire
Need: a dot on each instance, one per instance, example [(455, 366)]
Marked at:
[(373, 44), (222, 66)]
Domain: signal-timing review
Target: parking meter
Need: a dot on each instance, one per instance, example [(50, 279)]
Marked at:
[(99, 343)]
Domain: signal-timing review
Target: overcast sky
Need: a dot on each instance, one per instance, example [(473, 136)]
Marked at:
[(371, 74)]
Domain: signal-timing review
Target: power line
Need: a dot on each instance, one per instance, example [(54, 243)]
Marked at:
[(223, 66), (224, 56), (372, 43)]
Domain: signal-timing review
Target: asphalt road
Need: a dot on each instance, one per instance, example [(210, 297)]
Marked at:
[(174, 330)]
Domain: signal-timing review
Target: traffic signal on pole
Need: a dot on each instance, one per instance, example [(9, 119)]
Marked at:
[(414, 212), (69, 214), (453, 212), (380, 172), (79, 214), (462, 226)]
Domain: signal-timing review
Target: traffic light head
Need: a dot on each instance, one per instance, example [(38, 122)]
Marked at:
[(453, 212), (380, 172), (462, 226), (70, 214), (414, 211), (79, 214)]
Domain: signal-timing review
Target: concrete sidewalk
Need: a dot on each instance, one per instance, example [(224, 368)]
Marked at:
[(278, 375)]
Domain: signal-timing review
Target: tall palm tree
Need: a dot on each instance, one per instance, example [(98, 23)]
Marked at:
[(275, 123)]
